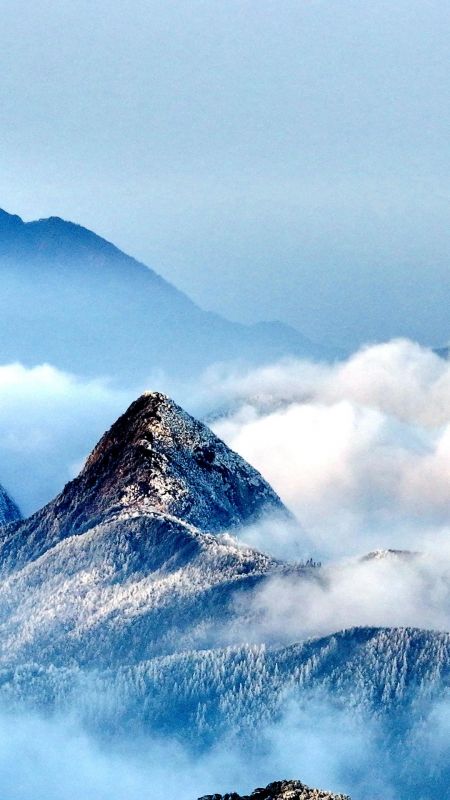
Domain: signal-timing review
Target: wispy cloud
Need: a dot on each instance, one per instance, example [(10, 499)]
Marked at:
[(314, 741)]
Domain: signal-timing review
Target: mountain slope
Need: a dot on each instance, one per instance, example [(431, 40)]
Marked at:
[(128, 556), (123, 601), (156, 459), (73, 299), (395, 676), (8, 509), (388, 671)]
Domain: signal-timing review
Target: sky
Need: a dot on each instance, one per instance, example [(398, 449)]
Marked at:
[(275, 160)]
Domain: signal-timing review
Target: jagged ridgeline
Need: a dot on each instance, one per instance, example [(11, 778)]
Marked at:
[(123, 599)]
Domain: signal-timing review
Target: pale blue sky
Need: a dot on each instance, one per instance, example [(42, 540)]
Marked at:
[(274, 159)]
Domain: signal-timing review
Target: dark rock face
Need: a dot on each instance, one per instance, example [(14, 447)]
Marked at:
[(280, 790), (156, 459), (157, 456)]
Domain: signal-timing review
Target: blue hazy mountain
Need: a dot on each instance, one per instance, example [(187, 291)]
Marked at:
[(74, 300)]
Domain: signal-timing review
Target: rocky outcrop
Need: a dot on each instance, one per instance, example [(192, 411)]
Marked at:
[(280, 790)]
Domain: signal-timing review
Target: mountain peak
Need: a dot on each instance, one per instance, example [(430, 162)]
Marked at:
[(157, 457), (155, 460), (382, 555)]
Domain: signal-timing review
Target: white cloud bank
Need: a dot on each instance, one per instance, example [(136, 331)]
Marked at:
[(360, 450), (54, 759), (391, 590)]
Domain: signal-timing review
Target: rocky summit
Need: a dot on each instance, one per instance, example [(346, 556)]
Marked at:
[(133, 557), (280, 790), (156, 459)]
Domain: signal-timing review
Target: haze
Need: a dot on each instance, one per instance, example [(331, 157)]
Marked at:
[(273, 160)]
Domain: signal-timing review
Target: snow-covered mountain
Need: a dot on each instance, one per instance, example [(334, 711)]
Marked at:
[(394, 674), (127, 556), (123, 599), (156, 461), (8, 509), (73, 299)]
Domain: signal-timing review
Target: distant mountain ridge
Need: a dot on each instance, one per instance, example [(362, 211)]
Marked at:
[(72, 299)]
